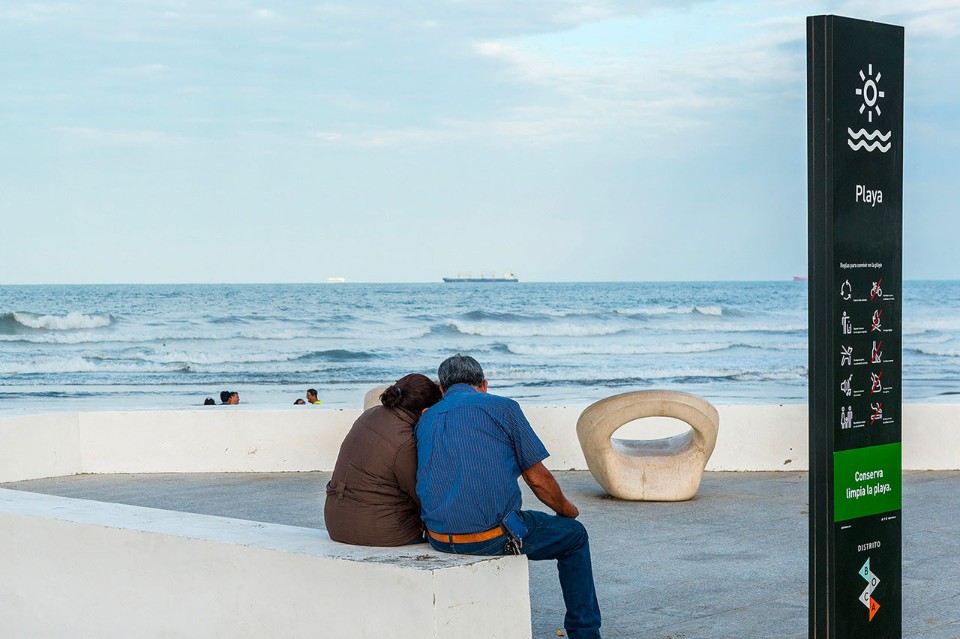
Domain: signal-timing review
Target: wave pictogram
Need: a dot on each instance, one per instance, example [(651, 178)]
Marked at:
[(877, 141)]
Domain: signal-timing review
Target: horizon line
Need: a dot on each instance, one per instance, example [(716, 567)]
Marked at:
[(373, 282)]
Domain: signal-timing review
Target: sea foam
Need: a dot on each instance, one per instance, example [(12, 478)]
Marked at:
[(72, 321), (615, 349), (557, 329)]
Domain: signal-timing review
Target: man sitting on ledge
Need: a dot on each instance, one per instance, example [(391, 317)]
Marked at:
[(471, 447)]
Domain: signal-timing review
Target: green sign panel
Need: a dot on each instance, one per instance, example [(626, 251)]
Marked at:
[(866, 481)]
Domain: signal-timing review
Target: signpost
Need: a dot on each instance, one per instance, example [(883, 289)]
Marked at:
[(855, 174)]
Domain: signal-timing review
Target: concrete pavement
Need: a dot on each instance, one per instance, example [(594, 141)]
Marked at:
[(730, 563)]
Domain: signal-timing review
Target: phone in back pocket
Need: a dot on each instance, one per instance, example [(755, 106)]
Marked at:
[(514, 525)]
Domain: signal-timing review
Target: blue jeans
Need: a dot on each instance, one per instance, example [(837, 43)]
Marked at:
[(553, 537)]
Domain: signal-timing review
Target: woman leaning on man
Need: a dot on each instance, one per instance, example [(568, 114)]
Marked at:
[(372, 498)]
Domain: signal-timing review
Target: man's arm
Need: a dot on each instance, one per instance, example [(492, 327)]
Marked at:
[(543, 484)]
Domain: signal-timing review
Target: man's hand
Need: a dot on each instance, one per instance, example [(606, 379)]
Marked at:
[(543, 484)]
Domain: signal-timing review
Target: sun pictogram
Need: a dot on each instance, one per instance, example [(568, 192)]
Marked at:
[(870, 92)]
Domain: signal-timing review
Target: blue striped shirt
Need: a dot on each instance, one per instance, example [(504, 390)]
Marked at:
[(471, 448)]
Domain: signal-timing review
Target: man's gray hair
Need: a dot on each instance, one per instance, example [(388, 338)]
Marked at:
[(460, 369)]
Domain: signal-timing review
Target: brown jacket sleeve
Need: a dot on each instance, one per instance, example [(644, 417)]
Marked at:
[(406, 469)]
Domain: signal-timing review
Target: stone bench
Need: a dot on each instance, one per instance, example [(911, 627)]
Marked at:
[(668, 469), (372, 397), (83, 568)]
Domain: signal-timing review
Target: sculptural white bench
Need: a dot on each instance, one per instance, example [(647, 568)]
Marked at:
[(668, 469), (77, 568), (372, 397)]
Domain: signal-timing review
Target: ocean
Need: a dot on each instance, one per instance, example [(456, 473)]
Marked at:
[(546, 344)]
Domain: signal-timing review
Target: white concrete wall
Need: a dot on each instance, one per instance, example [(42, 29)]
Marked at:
[(219, 440), (39, 446), (226, 440), (74, 568), (77, 568), (931, 438)]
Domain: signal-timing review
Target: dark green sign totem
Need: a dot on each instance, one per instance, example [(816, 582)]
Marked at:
[(855, 211)]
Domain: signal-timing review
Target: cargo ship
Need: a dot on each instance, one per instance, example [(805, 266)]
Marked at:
[(493, 277)]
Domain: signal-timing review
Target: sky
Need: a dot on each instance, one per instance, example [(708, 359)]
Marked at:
[(176, 141)]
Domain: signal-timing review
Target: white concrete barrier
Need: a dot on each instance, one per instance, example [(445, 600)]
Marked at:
[(221, 440), (74, 568), (78, 568), (751, 438), (761, 437), (39, 446)]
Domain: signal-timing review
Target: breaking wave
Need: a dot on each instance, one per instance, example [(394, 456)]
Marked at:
[(19, 322), (82, 365), (551, 329), (551, 343), (633, 313), (188, 359), (936, 352), (618, 349), (680, 375)]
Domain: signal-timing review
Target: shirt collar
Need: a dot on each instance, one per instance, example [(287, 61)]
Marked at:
[(456, 389)]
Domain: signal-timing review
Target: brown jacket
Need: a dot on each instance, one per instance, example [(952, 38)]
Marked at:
[(372, 497)]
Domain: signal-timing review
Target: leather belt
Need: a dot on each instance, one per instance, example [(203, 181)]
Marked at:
[(469, 538)]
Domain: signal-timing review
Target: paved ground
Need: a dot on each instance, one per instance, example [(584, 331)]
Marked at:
[(731, 563)]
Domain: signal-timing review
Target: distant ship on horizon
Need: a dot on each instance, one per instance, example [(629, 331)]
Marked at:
[(460, 278)]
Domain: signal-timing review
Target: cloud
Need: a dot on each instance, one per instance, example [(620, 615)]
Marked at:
[(940, 25), (385, 138), (575, 84), (750, 64), (36, 12), (139, 70), (600, 88), (489, 18), (109, 137), (375, 73), (265, 14), (921, 18)]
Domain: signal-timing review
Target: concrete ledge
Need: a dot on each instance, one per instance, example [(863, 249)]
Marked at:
[(753, 438), (82, 568), (39, 446), (219, 440)]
